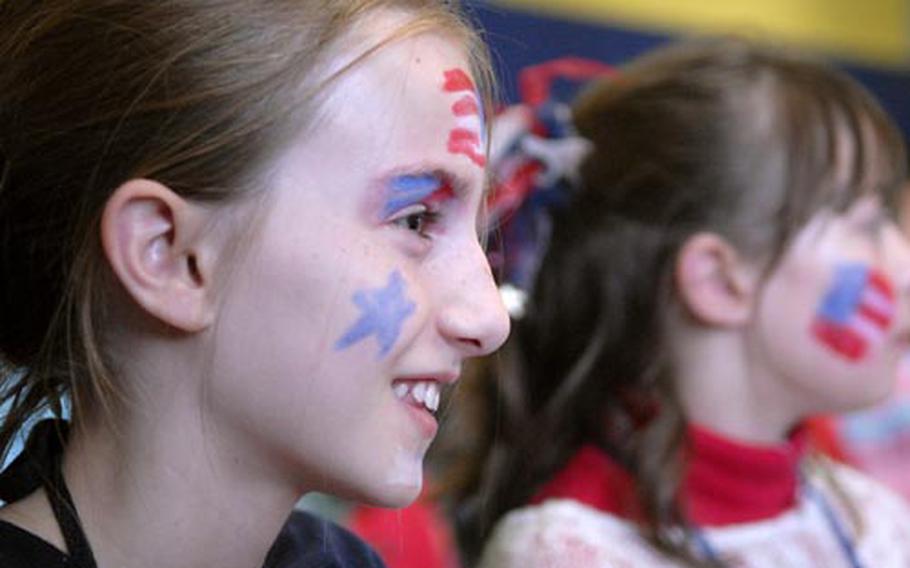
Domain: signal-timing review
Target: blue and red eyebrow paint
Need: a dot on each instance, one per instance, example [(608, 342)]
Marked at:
[(410, 189)]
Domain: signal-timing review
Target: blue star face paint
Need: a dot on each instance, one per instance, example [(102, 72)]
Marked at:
[(406, 190), (383, 312)]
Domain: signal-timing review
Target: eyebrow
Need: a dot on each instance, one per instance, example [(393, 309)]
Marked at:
[(407, 189), (403, 186)]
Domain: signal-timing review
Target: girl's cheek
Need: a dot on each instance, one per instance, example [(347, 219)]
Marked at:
[(855, 313)]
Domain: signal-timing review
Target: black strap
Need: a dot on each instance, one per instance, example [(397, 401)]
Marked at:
[(40, 465), (80, 552)]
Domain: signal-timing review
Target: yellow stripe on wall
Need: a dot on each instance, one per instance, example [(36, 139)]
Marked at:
[(872, 31)]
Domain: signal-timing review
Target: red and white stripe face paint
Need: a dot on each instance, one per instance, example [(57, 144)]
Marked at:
[(467, 137), (856, 312)]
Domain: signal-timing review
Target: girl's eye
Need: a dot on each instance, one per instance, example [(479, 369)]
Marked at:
[(417, 218), (869, 216), (875, 225)]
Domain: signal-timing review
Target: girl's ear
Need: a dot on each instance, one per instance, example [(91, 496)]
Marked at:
[(715, 284), (156, 245)]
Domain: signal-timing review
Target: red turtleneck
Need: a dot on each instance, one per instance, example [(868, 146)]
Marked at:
[(726, 481)]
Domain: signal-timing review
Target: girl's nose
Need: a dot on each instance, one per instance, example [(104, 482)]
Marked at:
[(473, 317)]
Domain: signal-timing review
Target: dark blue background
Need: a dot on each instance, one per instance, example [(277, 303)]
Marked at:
[(519, 39)]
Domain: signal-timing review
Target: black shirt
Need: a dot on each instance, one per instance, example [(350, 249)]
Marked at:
[(305, 541)]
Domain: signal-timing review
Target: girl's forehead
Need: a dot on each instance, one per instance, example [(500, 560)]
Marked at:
[(386, 36), (389, 116)]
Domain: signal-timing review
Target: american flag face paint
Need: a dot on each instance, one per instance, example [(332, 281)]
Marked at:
[(856, 312), (467, 137), (406, 190)]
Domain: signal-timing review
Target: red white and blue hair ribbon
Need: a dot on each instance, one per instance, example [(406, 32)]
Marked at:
[(534, 157)]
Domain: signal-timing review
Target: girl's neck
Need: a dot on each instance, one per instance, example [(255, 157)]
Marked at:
[(164, 493), (724, 387)]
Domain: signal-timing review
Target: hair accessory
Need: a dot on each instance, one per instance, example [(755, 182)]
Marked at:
[(534, 156)]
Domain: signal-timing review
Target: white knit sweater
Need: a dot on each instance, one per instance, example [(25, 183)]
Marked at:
[(563, 533)]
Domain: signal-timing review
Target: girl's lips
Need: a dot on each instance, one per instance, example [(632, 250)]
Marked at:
[(421, 393), (421, 396), (426, 422)]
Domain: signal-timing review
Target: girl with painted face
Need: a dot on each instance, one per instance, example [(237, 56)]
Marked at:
[(239, 240), (729, 266)]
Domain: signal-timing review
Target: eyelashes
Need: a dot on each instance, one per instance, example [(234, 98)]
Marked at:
[(413, 201), (875, 226), (419, 219)]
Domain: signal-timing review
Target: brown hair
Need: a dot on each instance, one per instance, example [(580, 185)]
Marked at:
[(713, 135), (193, 94)]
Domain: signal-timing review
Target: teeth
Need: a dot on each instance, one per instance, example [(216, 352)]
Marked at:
[(432, 398), (422, 392), (419, 392), (401, 390)]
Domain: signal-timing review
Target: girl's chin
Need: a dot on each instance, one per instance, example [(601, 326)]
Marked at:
[(396, 485), (393, 495), (398, 496)]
